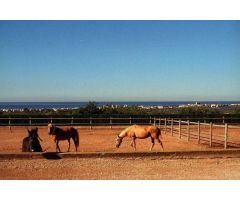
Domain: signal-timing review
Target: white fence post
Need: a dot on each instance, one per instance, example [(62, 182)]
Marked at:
[(199, 136), (188, 130), (179, 128), (130, 120), (90, 123), (226, 136), (30, 122), (111, 122), (172, 127), (9, 124), (210, 135), (165, 125)]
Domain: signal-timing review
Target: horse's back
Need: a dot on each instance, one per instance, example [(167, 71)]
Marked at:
[(66, 133), (63, 133), (143, 131), (138, 132), (73, 133), (73, 129), (69, 129), (66, 129)]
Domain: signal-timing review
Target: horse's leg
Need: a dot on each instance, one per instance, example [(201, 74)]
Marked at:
[(55, 140), (134, 143), (76, 147), (131, 143), (58, 146), (153, 143), (75, 143), (160, 142), (69, 143)]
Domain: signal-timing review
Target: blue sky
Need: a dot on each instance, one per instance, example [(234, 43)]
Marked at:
[(119, 60)]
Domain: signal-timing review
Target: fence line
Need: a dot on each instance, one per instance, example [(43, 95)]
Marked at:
[(199, 134), (184, 128)]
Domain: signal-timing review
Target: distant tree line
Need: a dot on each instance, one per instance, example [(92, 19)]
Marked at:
[(91, 109)]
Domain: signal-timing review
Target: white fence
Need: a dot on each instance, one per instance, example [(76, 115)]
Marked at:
[(224, 135)]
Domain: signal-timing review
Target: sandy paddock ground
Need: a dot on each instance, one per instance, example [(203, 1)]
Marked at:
[(101, 139), (121, 168)]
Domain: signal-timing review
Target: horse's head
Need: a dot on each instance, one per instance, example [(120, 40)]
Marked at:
[(118, 141), (50, 129), (33, 132)]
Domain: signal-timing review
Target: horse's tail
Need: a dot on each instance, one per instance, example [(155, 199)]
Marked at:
[(75, 137)]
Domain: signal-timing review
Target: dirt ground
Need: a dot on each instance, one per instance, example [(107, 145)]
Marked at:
[(99, 139), (121, 168), (102, 139)]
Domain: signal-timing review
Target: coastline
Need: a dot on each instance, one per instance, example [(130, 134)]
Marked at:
[(75, 105)]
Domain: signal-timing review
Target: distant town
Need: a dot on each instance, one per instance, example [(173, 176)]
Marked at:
[(115, 106)]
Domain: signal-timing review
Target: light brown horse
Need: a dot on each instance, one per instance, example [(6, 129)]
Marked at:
[(64, 134), (140, 132)]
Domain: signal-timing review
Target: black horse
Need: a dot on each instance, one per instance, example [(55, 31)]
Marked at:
[(32, 143)]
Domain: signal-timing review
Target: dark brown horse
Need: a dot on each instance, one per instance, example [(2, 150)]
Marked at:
[(64, 134), (32, 143)]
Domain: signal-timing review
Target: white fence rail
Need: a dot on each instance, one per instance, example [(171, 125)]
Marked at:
[(223, 135)]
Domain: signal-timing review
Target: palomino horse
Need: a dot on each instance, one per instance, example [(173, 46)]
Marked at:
[(64, 134), (31, 143), (139, 132)]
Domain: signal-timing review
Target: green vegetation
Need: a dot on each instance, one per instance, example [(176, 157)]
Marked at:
[(91, 109), (231, 114)]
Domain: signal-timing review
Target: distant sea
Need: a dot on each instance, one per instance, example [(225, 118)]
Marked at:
[(71, 105)]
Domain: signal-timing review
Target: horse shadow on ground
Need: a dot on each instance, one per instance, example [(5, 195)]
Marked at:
[(52, 155)]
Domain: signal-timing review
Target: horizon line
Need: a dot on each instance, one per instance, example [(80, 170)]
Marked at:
[(81, 101)]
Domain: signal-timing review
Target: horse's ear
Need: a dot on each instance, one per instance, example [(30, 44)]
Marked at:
[(28, 131), (36, 129)]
